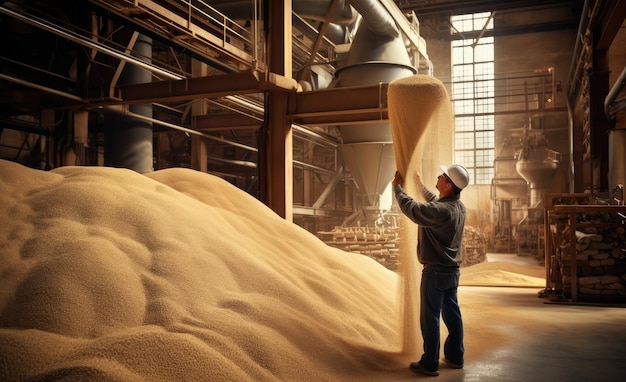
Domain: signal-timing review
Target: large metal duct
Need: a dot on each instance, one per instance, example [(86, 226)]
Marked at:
[(377, 55), (128, 140)]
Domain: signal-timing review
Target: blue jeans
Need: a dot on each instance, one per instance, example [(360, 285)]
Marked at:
[(438, 293)]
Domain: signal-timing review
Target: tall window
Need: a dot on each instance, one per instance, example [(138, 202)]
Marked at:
[(473, 96)]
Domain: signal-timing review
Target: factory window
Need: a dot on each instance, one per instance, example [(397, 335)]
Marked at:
[(473, 96)]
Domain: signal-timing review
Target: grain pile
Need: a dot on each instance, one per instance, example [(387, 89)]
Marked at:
[(106, 274), (503, 274)]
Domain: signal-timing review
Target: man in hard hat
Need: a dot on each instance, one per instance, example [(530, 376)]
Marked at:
[(440, 223)]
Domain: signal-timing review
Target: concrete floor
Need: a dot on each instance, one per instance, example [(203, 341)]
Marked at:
[(514, 335)]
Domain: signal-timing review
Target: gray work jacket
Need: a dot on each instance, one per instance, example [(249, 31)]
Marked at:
[(440, 226)]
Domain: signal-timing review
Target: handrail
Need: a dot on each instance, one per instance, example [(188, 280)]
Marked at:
[(201, 9), (230, 29), (197, 21)]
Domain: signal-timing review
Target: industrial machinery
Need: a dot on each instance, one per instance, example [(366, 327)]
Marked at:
[(526, 167), (377, 55), (537, 164)]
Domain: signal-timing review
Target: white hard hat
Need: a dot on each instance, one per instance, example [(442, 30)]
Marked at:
[(457, 174)]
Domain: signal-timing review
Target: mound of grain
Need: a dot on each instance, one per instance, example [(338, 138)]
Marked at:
[(106, 274), (500, 273)]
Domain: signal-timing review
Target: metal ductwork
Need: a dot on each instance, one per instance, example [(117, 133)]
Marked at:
[(377, 55), (128, 140)]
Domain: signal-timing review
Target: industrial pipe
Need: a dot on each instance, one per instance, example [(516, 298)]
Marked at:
[(615, 91)]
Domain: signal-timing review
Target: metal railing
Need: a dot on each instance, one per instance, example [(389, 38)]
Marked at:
[(230, 30)]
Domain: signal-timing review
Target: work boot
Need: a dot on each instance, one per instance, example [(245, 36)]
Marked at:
[(418, 368), (453, 364)]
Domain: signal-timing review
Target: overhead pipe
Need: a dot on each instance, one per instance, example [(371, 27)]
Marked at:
[(316, 10), (46, 89), (242, 163), (377, 17), (118, 110), (309, 166), (612, 96)]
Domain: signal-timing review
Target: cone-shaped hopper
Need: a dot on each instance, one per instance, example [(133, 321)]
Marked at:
[(537, 165), (372, 165)]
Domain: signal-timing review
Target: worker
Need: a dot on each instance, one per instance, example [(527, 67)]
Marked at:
[(440, 223)]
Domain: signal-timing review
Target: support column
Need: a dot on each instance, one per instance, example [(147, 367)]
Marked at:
[(600, 126), (75, 155), (276, 170), (128, 140), (163, 148), (308, 175), (199, 151), (276, 145), (46, 157)]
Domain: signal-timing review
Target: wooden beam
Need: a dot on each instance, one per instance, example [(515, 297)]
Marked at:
[(190, 88), (276, 143), (340, 106), (185, 89), (219, 122)]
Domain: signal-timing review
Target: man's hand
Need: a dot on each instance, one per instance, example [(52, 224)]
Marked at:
[(397, 180)]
